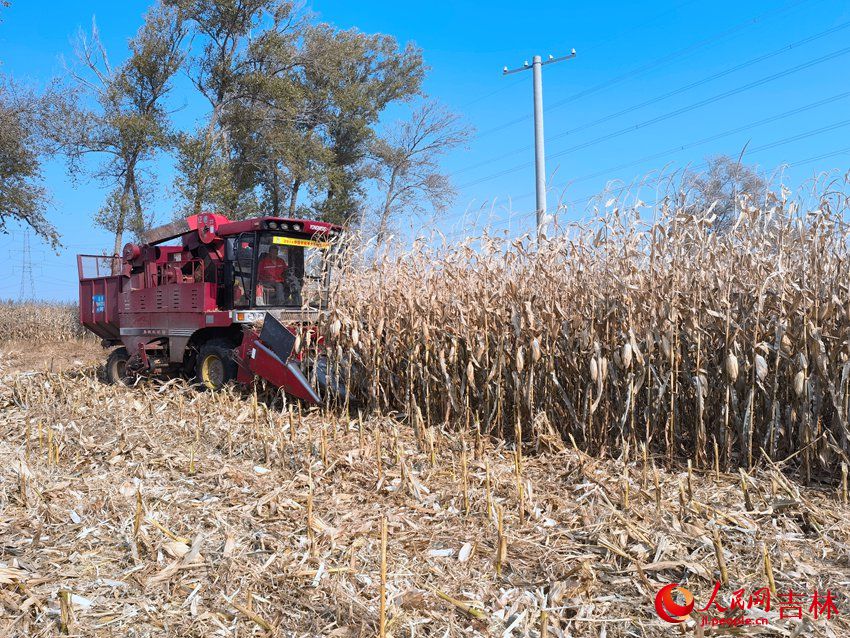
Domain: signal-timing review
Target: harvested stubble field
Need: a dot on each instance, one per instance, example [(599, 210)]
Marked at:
[(158, 510)]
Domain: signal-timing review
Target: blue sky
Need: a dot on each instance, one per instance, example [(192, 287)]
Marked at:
[(670, 81)]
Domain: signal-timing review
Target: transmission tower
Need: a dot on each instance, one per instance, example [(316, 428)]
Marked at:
[(27, 283)]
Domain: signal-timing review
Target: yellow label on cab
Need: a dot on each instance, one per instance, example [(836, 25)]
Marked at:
[(306, 243)]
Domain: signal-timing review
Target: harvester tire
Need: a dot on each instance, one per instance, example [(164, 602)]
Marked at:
[(116, 367), (215, 365)]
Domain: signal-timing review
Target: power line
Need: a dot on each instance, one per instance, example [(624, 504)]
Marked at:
[(618, 191), (695, 143), (673, 113), (669, 94), (794, 138), (640, 70), (750, 151), (596, 45), (755, 149), (705, 140), (592, 47), (712, 138)]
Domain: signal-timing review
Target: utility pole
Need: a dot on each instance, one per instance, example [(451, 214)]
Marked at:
[(539, 153), (26, 271)]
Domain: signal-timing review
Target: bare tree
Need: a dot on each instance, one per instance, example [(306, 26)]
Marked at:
[(406, 165), (117, 115), (721, 186)]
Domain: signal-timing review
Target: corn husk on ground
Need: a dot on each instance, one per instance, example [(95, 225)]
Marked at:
[(157, 510), (662, 332)]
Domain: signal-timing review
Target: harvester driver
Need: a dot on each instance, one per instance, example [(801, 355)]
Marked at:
[(271, 272)]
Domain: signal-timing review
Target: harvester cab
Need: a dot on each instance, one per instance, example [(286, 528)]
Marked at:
[(219, 300)]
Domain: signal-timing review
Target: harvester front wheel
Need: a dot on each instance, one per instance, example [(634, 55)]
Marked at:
[(116, 367), (215, 365)]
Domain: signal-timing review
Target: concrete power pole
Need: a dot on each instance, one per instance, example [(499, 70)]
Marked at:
[(539, 153)]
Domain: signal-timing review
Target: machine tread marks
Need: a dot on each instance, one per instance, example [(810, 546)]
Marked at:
[(116, 367), (215, 365)]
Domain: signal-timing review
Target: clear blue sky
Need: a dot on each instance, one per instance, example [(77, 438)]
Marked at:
[(630, 57)]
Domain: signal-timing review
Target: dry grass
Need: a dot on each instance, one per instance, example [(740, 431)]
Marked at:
[(157, 510), (722, 348)]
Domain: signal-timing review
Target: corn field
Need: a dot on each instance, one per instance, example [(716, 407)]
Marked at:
[(722, 348), (715, 347), (40, 321)]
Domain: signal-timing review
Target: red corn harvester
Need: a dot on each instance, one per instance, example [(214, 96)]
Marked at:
[(191, 297)]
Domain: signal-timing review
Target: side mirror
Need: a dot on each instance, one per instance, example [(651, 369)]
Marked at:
[(230, 249)]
